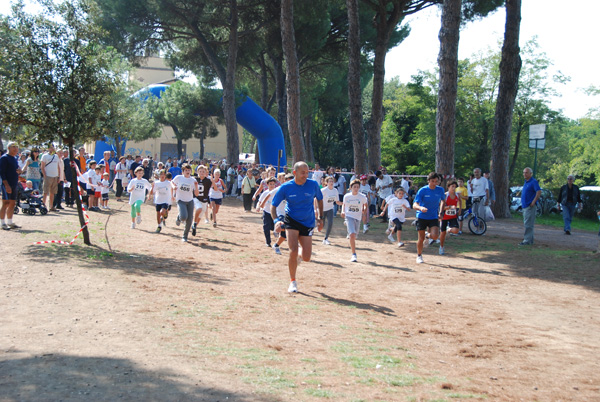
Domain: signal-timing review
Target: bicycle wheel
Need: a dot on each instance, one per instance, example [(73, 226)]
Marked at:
[(477, 226)]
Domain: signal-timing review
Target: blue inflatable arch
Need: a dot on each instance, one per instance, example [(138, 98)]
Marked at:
[(250, 116)]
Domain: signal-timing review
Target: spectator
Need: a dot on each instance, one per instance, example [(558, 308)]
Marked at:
[(569, 197), (50, 171), (9, 174), (530, 194)]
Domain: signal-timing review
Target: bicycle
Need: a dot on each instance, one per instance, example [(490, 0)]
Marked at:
[(476, 224)]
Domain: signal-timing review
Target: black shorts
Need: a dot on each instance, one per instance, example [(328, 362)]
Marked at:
[(290, 223), (13, 194), (423, 224), (105, 197), (217, 201), (397, 225), (160, 207), (453, 223)]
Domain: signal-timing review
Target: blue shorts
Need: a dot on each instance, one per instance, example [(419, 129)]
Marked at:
[(217, 201), (13, 194), (160, 207)]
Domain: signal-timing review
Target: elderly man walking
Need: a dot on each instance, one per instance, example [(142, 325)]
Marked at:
[(569, 197), (50, 170), (529, 196)]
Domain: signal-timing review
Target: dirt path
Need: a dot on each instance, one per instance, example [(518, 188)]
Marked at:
[(141, 316)]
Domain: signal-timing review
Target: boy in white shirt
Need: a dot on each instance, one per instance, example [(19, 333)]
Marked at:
[(137, 195), (163, 193), (265, 205), (186, 188), (397, 205), (330, 198), (354, 208), (105, 187)]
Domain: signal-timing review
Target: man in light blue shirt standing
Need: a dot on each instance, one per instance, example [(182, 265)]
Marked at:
[(529, 196)]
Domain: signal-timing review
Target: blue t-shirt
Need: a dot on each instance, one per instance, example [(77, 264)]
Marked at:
[(300, 200), (530, 187), (429, 199), (8, 169), (175, 171)]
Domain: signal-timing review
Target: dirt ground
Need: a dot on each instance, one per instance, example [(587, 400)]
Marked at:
[(143, 316)]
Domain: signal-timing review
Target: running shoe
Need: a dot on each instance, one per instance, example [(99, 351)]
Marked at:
[(431, 241), (391, 238), (194, 229), (420, 259), (268, 245), (184, 239), (326, 242), (214, 224), (442, 251), (400, 244), (133, 225), (293, 288), (138, 220), (277, 249), (388, 231), (353, 258), (365, 228), (177, 221), (206, 221), (158, 229), (5, 226), (14, 226)]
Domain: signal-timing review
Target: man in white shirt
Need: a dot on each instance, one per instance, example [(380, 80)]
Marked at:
[(318, 174), (50, 170), (383, 185), (480, 190)]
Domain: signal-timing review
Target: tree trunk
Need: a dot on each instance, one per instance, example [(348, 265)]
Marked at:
[(233, 145), (446, 106), (75, 193), (202, 137), (310, 156), (354, 91), (280, 96), (510, 67), (513, 163), (292, 73), (118, 146), (179, 141)]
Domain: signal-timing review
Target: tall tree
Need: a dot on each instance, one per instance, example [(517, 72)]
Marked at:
[(510, 67), (292, 72), (354, 88), (446, 105)]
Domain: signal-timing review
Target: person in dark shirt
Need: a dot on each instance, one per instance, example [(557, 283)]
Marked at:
[(9, 174), (569, 198)]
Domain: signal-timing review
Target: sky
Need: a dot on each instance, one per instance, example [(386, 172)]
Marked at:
[(568, 35)]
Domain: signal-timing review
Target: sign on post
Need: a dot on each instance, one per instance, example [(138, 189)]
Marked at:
[(537, 144), (537, 131)]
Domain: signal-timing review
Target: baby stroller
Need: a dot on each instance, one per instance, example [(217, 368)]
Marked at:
[(29, 201)]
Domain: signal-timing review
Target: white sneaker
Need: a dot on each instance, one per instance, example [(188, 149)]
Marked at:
[(353, 258), (206, 221), (420, 259), (441, 250), (400, 244), (138, 220), (293, 288), (365, 228), (391, 238), (326, 242), (388, 231), (277, 249), (430, 241), (133, 225), (184, 239)]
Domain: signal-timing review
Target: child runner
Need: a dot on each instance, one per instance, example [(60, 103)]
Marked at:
[(450, 211), (330, 198), (201, 202), (265, 205), (299, 217), (90, 186), (216, 195), (365, 190), (163, 193), (354, 207), (397, 204), (427, 204), (137, 195), (104, 190), (463, 195), (280, 217), (187, 188)]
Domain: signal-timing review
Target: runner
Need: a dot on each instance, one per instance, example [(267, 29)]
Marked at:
[(365, 190), (265, 205), (137, 195), (187, 188), (299, 216), (330, 199), (280, 212), (354, 207), (450, 211), (201, 202), (215, 195), (427, 204), (396, 204), (163, 194)]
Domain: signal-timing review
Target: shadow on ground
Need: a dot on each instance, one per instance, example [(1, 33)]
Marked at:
[(59, 377)]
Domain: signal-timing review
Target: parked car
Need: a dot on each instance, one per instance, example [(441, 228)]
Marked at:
[(545, 205)]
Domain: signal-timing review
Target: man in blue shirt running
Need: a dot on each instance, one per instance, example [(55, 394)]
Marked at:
[(530, 194), (427, 204), (299, 219)]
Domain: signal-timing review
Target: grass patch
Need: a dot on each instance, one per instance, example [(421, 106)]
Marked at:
[(268, 379), (318, 392), (466, 396), (556, 220)]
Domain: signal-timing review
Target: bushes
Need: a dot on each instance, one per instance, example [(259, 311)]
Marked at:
[(591, 203)]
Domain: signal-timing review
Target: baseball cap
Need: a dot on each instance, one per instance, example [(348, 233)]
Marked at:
[(363, 177)]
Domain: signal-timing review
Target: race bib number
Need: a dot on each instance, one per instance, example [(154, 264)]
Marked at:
[(353, 208), (331, 200), (399, 210), (185, 188), (140, 186), (451, 212)]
